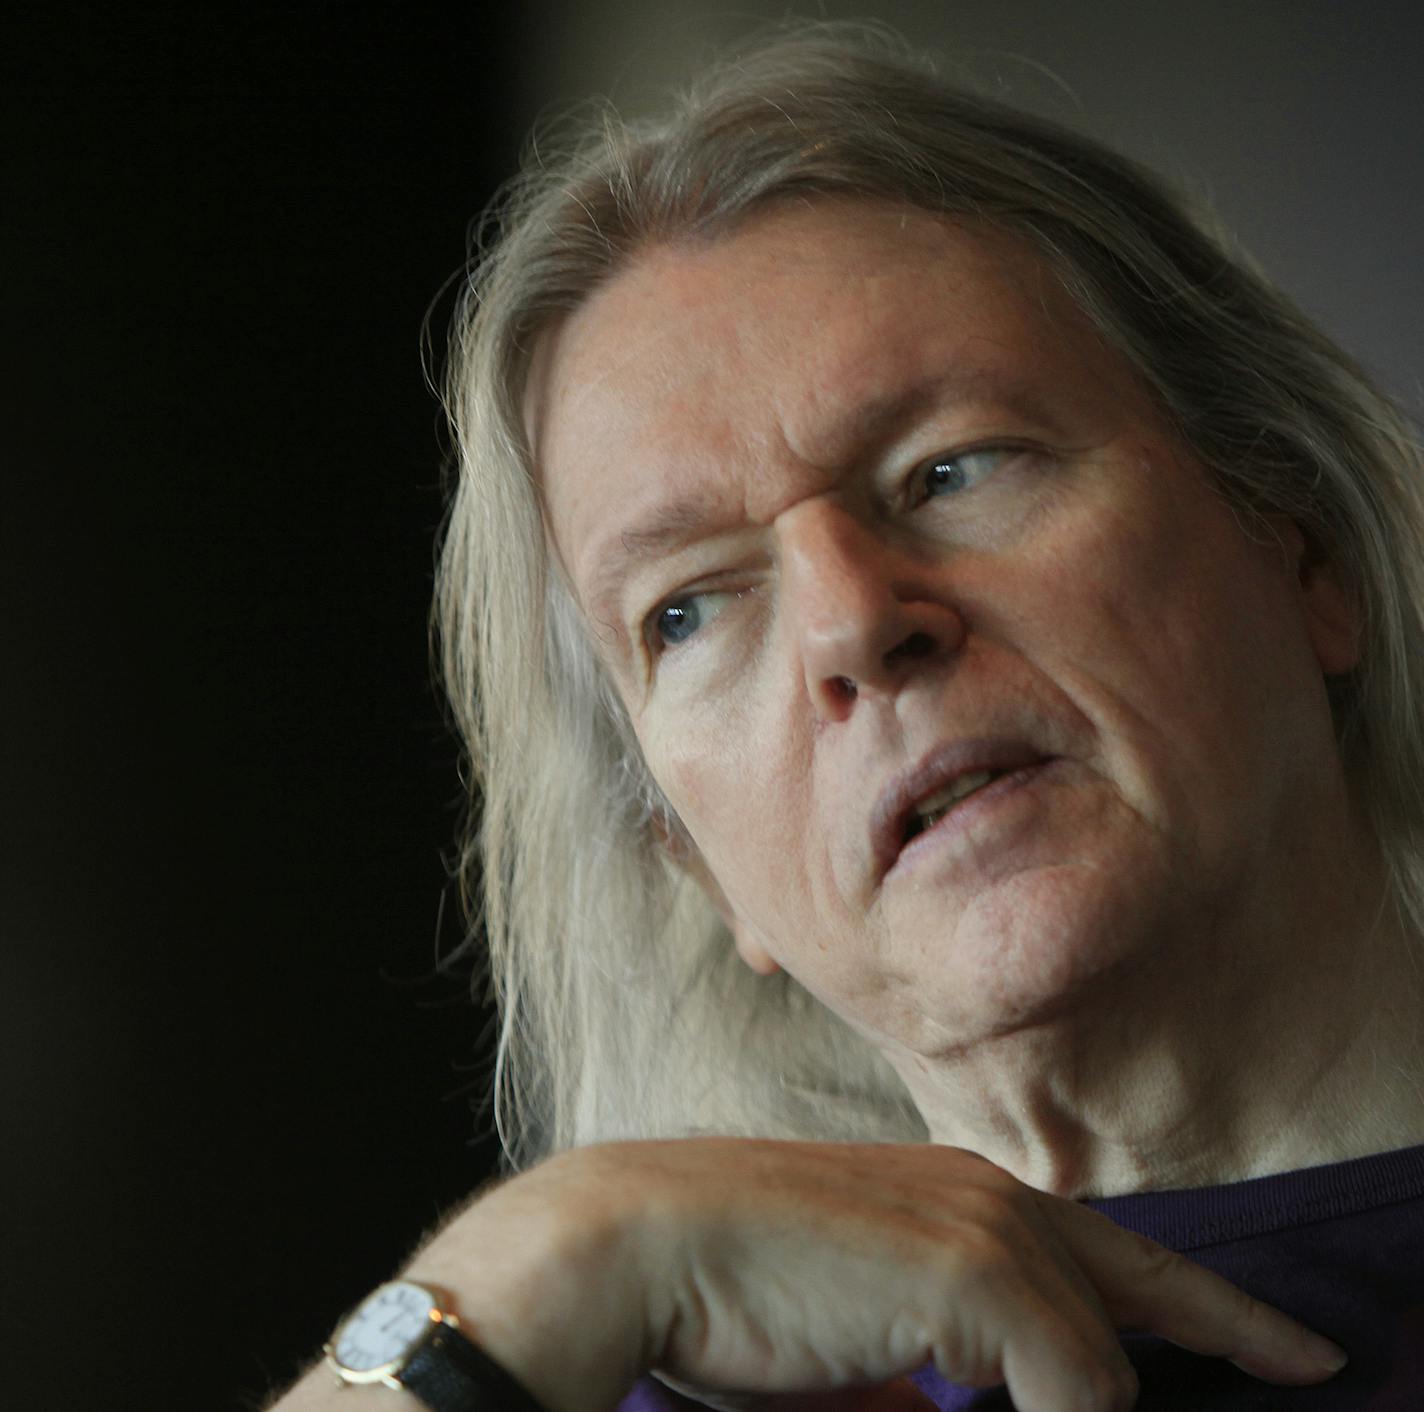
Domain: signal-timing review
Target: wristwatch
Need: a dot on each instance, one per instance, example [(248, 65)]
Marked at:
[(404, 1336)]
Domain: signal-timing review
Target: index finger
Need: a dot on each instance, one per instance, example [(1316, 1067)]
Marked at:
[(1146, 1286)]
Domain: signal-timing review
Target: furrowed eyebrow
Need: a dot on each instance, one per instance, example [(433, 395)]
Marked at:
[(669, 527), (859, 432)]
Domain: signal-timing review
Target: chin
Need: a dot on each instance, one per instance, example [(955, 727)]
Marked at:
[(1037, 948)]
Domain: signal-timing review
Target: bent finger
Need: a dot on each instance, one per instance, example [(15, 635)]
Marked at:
[(1051, 1365), (898, 1395)]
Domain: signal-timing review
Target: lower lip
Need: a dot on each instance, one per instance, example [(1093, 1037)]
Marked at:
[(970, 812)]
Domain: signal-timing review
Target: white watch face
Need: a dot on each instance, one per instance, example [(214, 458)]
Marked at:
[(384, 1329)]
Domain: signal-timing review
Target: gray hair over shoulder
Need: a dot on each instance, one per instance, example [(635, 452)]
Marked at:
[(624, 1010)]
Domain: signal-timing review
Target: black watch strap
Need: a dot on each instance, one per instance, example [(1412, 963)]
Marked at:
[(450, 1374)]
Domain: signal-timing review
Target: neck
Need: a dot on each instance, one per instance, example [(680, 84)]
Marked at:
[(1273, 1045)]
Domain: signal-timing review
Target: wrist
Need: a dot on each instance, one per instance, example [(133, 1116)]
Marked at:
[(406, 1336), (542, 1274)]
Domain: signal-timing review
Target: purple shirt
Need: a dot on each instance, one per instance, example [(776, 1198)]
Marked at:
[(1341, 1248)]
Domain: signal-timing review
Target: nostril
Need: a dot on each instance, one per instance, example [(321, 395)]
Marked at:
[(918, 644), (845, 687)]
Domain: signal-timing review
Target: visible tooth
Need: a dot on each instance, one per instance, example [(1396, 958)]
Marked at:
[(966, 784)]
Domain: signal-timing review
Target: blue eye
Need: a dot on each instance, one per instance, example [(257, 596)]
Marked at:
[(677, 621), (947, 475)]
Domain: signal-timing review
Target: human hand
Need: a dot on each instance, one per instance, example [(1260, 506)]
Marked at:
[(790, 1266), (744, 1272)]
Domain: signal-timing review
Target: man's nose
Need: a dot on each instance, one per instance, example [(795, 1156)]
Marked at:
[(863, 615)]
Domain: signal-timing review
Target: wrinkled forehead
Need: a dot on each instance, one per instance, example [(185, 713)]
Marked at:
[(795, 318), (672, 285)]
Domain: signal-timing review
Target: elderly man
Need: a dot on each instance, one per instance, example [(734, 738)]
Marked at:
[(896, 548)]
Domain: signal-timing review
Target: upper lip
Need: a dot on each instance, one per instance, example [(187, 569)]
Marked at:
[(890, 818)]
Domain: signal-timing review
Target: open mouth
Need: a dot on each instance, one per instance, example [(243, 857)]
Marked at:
[(931, 810), (946, 779)]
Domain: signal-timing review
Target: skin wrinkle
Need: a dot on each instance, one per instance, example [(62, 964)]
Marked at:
[(1088, 988), (829, 433)]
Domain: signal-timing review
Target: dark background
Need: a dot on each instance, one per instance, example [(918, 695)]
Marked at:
[(236, 1086), (236, 1090)]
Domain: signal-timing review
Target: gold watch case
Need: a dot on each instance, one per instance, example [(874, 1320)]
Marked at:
[(385, 1331)]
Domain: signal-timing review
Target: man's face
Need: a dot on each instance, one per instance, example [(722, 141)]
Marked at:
[(857, 485)]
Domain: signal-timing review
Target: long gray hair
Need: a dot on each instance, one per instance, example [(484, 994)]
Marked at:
[(623, 1009)]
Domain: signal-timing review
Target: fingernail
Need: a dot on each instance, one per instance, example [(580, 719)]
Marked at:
[(1328, 1355)]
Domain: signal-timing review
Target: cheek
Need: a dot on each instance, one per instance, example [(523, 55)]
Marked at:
[(716, 782), (1181, 655), (741, 790)]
